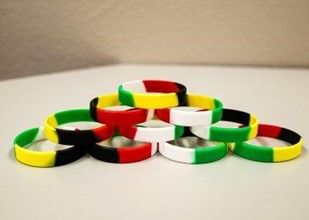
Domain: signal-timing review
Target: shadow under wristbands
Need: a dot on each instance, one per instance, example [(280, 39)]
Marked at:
[(270, 154), (132, 152), (152, 94), (185, 153), (246, 132), (178, 115), (99, 113), (74, 137), (43, 158)]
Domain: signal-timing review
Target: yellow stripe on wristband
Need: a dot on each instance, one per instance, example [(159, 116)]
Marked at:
[(37, 159), (50, 131), (153, 101), (288, 153)]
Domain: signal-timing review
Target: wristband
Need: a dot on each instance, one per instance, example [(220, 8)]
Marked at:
[(179, 116), (152, 94), (74, 137), (151, 134), (239, 134), (43, 158), (270, 154), (116, 117), (127, 151), (183, 150)]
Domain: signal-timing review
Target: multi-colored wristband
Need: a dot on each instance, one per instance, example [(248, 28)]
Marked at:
[(152, 94), (247, 131), (127, 151), (100, 111), (43, 158), (270, 154), (73, 137), (210, 112), (152, 133), (150, 115), (192, 150)]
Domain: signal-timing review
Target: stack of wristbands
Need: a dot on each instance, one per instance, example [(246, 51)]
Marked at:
[(185, 116)]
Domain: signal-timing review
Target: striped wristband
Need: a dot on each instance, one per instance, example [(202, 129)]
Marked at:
[(188, 116), (46, 158), (270, 154), (152, 94), (192, 150), (100, 111), (74, 137), (152, 131), (122, 150), (246, 132)]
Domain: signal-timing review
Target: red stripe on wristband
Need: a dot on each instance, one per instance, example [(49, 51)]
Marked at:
[(268, 131), (160, 86), (134, 154), (103, 133), (130, 116), (128, 131), (163, 114)]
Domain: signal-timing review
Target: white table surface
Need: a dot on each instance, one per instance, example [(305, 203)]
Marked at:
[(157, 188)]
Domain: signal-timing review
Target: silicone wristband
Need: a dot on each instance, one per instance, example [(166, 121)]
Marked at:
[(179, 116), (239, 134), (196, 155), (152, 94), (271, 154), (123, 154), (73, 137), (116, 117), (151, 134), (43, 158)]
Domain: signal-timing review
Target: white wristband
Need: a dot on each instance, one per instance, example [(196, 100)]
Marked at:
[(152, 131)]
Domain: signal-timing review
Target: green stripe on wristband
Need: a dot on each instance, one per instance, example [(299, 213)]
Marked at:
[(217, 133), (210, 154), (68, 116), (217, 112), (257, 153), (125, 96)]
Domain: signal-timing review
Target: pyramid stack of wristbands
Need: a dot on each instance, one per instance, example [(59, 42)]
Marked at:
[(185, 116)]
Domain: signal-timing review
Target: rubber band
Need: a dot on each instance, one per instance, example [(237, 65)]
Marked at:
[(43, 158), (74, 137), (152, 94), (148, 132), (127, 151), (246, 132), (190, 149), (271, 154), (181, 115), (100, 113)]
